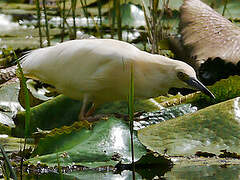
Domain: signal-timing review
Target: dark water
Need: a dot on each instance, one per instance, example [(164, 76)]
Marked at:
[(228, 172)]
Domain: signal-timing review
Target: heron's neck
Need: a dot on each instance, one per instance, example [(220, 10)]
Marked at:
[(158, 61), (157, 69)]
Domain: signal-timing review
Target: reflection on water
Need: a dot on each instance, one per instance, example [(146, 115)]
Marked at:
[(117, 138), (237, 109), (6, 23), (230, 172), (3, 135), (85, 175), (8, 109), (177, 173)]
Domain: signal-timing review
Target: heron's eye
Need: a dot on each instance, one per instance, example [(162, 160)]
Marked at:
[(180, 75)]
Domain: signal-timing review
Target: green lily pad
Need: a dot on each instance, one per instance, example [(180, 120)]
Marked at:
[(154, 117), (9, 105), (131, 15), (4, 129), (106, 144), (64, 111), (25, 38), (48, 115), (223, 90), (28, 33), (20, 43), (211, 129), (5, 5), (12, 144)]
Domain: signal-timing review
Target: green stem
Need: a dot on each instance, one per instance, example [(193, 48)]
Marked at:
[(225, 7), (63, 21), (74, 3), (46, 22), (119, 20), (27, 98), (100, 17), (39, 22), (131, 116), (84, 7), (8, 162)]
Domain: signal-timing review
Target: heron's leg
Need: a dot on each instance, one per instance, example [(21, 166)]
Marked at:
[(84, 105), (91, 110)]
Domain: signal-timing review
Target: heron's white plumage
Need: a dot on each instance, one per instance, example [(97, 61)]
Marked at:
[(100, 68)]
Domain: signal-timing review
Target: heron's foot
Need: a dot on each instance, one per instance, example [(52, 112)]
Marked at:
[(97, 118), (88, 121)]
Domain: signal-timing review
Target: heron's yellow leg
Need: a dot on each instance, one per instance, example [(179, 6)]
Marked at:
[(84, 105), (91, 110)]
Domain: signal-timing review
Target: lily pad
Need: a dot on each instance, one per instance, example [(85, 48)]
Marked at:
[(9, 105), (211, 129), (25, 38), (223, 90), (106, 144), (131, 15), (154, 117), (64, 111), (12, 144)]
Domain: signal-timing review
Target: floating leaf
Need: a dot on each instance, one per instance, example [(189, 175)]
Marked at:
[(64, 111), (223, 90), (9, 105), (106, 144), (211, 129)]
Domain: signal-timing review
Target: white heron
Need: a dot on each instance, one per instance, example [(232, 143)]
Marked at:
[(98, 71)]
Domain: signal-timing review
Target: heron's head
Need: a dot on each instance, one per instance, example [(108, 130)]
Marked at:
[(187, 77)]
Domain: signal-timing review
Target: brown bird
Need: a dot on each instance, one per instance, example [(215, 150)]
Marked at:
[(213, 40)]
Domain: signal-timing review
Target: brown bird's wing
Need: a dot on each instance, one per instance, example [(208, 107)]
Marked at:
[(208, 33)]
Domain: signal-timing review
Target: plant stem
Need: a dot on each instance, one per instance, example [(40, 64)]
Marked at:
[(74, 3), (63, 20), (6, 159), (119, 20), (100, 17), (131, 116), (39, 22), (46, 22), (113, 15), (27, 98), (84, 7), (225, 7)]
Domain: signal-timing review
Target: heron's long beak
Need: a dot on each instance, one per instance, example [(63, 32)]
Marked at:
[(196, 84)]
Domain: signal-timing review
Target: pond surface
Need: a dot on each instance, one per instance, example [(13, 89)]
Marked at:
[(21, 34), (213, 172)]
